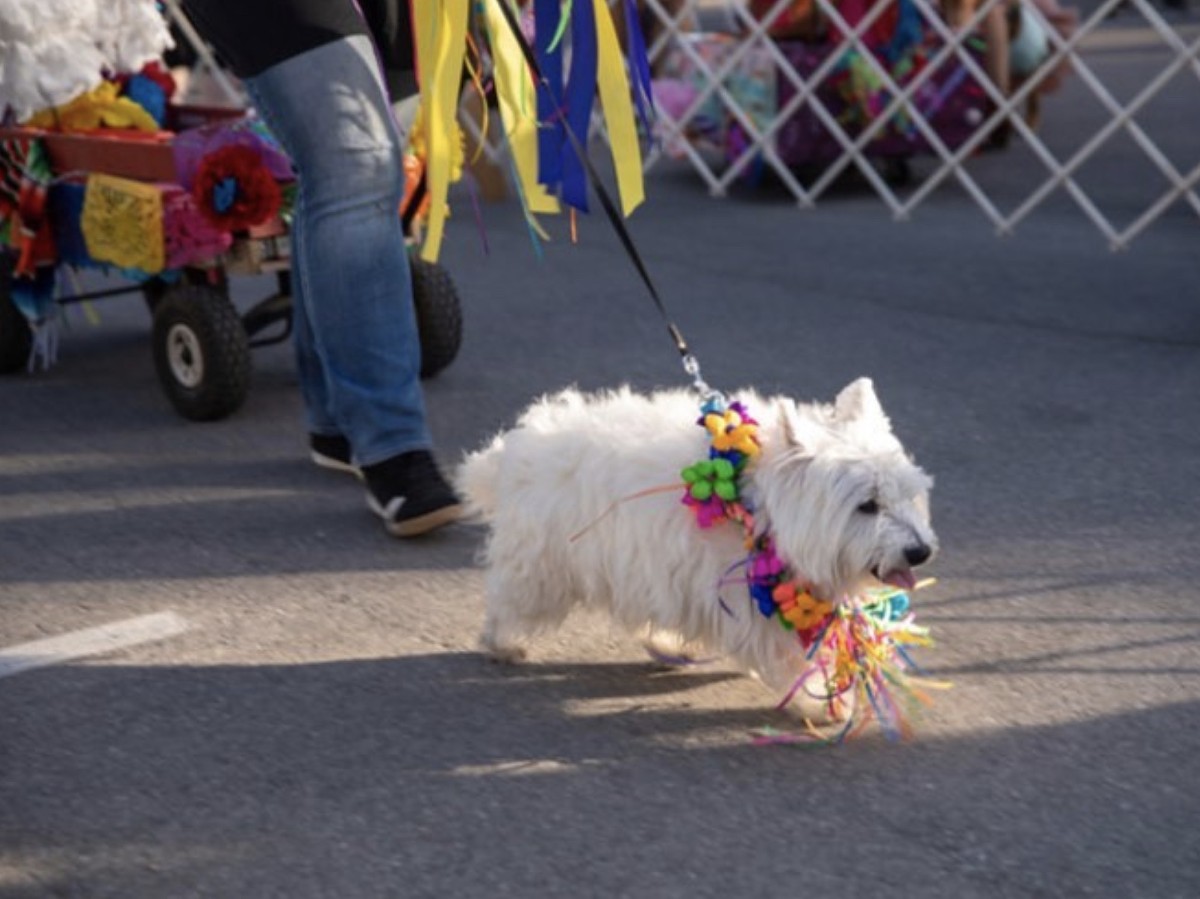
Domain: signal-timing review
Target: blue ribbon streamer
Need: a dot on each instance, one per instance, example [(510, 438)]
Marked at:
[(581, 93), (551, 138), (639, 66)]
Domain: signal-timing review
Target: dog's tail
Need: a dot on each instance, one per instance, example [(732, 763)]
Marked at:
[(478, 477)]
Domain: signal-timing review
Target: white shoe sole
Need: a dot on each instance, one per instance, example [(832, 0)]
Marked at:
[(331, 464), (420, 524)]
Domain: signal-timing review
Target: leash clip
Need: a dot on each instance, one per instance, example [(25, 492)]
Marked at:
[(712, 400)]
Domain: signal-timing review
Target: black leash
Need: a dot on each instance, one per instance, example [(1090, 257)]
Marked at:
[(690, 365)]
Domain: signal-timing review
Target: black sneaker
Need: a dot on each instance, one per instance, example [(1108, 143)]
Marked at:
[(410, 494), (332, 451)]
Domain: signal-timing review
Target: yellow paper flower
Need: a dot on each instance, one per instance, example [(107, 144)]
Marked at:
[(730, 432)]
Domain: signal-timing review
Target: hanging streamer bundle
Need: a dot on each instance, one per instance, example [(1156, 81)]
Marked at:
[(545, 102)]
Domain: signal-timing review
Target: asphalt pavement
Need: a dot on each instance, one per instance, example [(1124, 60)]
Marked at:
[(324, 726)]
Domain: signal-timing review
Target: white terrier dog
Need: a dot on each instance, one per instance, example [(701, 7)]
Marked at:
[(574, 524)]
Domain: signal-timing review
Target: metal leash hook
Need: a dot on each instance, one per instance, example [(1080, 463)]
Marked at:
[(711, 399)]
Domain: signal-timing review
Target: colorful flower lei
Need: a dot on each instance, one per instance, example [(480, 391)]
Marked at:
[(712, 484), (713, 494), (854, 646)]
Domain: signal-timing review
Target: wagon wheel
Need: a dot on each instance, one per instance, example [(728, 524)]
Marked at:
[(154, 289), (16, 337), (201, 352), (439, 316)]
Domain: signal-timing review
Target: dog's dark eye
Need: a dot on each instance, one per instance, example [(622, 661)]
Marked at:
[(870, 507)]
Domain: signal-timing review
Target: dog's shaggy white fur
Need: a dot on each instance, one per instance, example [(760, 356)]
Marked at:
[(845, 503)]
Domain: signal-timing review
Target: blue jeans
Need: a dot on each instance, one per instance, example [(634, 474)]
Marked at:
[(357, 349)]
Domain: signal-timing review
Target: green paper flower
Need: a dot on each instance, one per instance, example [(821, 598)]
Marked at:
[(711, 477)]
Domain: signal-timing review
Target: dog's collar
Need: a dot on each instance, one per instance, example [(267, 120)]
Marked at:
[(778, 592), (714, 495)]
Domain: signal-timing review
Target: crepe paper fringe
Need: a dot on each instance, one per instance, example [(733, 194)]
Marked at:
[(580, 61), (863, 654)]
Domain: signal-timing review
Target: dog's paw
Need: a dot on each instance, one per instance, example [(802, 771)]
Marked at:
[(504, 655), (822, 711), (670, 651)]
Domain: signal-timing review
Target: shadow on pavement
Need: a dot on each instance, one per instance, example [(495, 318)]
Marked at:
[(342, 779)]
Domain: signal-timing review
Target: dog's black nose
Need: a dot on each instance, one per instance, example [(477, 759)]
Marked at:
[(915, 555)]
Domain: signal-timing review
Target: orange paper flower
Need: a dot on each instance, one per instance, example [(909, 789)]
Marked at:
[(799, 608)]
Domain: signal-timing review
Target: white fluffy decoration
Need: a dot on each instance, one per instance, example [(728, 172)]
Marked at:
[(51, 51), (845, 502)]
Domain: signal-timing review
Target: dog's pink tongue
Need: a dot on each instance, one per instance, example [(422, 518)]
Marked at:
[(902, 578)]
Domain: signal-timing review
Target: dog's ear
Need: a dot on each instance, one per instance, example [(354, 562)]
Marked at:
[(858, 403), (799, 433)]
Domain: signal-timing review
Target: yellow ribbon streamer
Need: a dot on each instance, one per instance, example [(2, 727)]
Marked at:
[(442, 44), (514, 84), (440, 28), (617, 105)]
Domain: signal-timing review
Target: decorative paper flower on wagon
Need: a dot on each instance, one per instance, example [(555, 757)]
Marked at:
[(188, 236), (235, 190), (191, 146)]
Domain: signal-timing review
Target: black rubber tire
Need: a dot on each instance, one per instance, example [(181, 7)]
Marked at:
[(439, 316), (154, 289), (16, 337), (201, 352)]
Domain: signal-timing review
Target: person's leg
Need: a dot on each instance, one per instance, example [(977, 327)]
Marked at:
[(328, 108), (357, 346), (236, 32), (328, 448)]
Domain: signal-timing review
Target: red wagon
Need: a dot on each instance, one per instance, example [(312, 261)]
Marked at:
[(201, 343)]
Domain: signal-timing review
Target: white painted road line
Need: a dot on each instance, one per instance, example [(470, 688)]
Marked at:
[(90, 642)]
